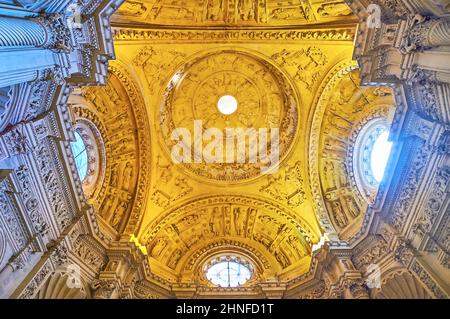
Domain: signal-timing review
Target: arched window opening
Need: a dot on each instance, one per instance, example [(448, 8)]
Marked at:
[(229, 272), (81, 156)]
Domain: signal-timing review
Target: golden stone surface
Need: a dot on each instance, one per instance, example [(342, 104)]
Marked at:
[(175, 59)]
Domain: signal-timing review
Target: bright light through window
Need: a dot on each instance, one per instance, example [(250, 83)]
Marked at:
[(380, 155), (80, 153), (227, 104), (228, 274)]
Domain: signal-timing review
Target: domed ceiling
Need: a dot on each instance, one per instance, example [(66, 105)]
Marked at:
[(280, 60)]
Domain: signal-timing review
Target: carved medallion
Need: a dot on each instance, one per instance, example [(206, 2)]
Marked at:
[(265, 101)]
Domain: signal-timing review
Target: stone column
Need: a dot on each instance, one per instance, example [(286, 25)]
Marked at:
[(15, 32), (31, 47), (425, 33)]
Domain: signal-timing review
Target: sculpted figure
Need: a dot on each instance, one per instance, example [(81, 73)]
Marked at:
[(106, 206), (120, 211), (174, 259), (340, 123), (238, 217), (352, 207), (343, 175), (216, 222), (334, 10), (227, 222), (281, 258), (114, 175), (328, 169), (295, 244), (189, 220), (159, 246), (263, 240), (246, 10), (127, 176), (287, 13), (214, 9), (96, 99), (131, 8), (339, 215)]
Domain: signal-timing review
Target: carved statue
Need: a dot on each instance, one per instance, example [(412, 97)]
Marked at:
[(310, 66), (131, 8), (189, 220), (106, 206), (246, 9), (343, 176), (352, 206), (96, 98), (114, 175), (214, 9), (334, 10), (264, 240), (216, 222), (287, 13), (227, 221), (239, 220), (161, 243), (127, 176), (282, 259), (173, 261), (114, 97), (166, 173), (295, 244), (339, 122), (339, 216), (329, 171), (120, 211)]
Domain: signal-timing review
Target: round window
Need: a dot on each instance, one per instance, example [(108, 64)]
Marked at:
[(89, 155), (227, 104), (380, 155), (229, 272), (371, 155), (81, 156)]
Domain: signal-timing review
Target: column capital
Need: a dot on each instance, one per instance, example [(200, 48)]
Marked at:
[(423, 33), (58, 34)]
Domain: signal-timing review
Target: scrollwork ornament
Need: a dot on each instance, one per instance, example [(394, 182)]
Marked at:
[(59, 256), (59, 37), (17, 263), (359, 290), (416, 38), (103, 289), (404, 253)]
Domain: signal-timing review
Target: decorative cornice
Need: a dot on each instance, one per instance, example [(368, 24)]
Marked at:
[(335, 34)]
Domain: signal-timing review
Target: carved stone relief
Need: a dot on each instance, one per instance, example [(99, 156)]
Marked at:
[(349, 109), (185, 230), (266, 100), (113, 111), (232, 12)]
